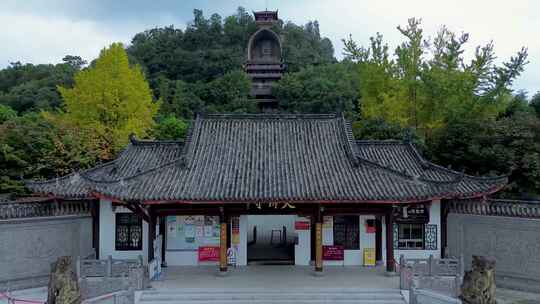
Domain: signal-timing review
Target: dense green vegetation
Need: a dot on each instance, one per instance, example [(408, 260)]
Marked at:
[(55, 118)]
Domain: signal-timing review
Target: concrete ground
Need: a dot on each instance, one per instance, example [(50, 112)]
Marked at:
[(508, 296), (285, 276), (33, 295)]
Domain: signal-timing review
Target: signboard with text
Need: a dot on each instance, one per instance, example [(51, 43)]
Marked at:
[(209, 254), (301, 225), (333, 253)]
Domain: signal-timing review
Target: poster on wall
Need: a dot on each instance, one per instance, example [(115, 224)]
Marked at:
[(301, 225), (370, 226), (235, 230), (333, 253), (328, 222), (208, 253), (369, 256), (171, 226), (189, 229)]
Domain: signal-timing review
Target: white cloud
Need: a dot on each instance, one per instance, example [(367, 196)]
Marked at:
[(37, 39), (31, 33)]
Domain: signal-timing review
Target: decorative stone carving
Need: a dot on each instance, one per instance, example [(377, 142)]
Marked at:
[(63, 286), (479, 283)]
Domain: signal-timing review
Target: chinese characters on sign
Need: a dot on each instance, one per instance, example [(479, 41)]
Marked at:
[(208, 253), (261, 206), (333, 253)]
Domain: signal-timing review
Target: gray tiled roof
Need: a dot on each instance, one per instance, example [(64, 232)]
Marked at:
[(255, 158)]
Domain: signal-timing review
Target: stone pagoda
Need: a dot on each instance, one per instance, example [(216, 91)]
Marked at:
[(264, 63)]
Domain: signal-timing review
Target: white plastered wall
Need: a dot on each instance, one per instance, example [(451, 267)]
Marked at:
[(434, 219), (107, 231)]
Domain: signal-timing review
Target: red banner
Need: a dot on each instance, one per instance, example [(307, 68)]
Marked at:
[(209, 254), (301, 225), (333, 253)]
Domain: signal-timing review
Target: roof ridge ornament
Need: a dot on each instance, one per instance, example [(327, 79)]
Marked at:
[(133, 138)]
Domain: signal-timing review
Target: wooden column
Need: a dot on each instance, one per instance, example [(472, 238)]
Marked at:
[(318, 241), (378, 240), (223, 242), (389, 219), (163, 232), (151, 236), (444, 219), (95, 226)]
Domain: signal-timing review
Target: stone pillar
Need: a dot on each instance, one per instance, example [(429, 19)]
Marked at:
[(390, 261), (223, 242)]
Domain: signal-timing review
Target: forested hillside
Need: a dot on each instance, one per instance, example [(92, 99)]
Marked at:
[(56, 118)]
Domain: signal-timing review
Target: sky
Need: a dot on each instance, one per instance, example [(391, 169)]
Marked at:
[(44, 31)]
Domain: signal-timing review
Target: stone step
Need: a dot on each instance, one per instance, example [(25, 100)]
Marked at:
[(267, 296), (367, 295), (181, 291), (271, 301)]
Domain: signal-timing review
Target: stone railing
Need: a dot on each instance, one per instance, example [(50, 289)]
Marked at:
[(119, 297), (101, 277), (440, 275), (497, 207), (421, 296), (14, 210)]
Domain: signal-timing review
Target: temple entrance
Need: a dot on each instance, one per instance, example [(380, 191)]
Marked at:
[(271, 239)]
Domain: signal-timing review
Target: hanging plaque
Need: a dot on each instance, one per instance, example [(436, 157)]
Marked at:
[(416, 213)]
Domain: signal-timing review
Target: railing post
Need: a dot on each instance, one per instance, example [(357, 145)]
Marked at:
[(412, 293), (430, 265), (109, 266), (461, 265), (78, 267)]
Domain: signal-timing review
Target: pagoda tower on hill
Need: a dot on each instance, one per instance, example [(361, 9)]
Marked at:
[(264, 63)]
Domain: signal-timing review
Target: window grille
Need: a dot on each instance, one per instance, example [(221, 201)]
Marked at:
[(128, 232), (347, 231)]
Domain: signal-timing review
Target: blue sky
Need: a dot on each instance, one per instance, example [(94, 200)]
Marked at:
[(43, 31)]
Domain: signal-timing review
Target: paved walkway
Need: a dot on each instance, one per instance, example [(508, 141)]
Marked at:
[(278, 277)]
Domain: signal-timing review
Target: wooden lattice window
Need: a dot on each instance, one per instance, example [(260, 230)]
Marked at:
[(128, 232), (347, 231)]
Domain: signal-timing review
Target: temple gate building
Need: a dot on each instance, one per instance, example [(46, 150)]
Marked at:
[(335, 200), (268, 188)]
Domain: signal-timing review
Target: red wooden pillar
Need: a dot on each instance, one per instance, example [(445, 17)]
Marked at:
[(223, 242), (318, 241), (390, 261)]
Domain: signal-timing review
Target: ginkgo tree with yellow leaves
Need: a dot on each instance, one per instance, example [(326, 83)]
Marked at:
[(109, 100)]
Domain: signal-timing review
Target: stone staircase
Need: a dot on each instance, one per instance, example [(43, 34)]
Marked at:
[(269, 295)]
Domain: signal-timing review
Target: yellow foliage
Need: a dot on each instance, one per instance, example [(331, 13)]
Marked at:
[(109, 101)]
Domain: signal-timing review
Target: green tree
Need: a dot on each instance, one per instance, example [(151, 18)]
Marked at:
[(170, 128), (426, 84), (319, 89), (6, 113), (28, 87), (535, 103), (510, 145), (31, 147), (109, 101)]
